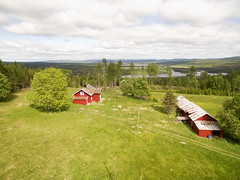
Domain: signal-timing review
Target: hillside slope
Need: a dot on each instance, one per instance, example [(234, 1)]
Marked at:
[(81, 143)]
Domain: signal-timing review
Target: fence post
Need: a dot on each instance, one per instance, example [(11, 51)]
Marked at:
[(115, 168), (138, 122)]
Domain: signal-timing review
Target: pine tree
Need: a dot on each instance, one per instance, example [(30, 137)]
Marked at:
[(141, 88), (5, 88), (126, 86), (169, 102)]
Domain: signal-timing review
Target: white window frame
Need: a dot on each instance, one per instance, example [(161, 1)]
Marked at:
[(81, 93)]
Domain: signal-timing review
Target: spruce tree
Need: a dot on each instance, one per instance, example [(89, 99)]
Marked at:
[(169, 102), (5, 88)]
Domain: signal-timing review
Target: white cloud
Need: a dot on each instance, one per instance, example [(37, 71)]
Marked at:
[(15, 43), (121, 29), (200, 12)]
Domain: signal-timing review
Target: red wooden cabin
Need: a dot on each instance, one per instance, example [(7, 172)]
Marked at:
[(86, 95), (201, 121)]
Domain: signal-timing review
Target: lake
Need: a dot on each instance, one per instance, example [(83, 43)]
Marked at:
[(175, 74)]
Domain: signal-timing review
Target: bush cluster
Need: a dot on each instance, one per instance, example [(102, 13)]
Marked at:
[(135, 87)]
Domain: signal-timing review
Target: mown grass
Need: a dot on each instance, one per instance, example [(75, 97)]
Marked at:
[(77, 144)]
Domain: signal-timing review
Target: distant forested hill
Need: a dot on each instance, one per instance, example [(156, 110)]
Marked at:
[(76, 68), (220, 65)]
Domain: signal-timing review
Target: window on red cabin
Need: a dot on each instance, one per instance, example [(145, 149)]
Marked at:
[(81, 93)]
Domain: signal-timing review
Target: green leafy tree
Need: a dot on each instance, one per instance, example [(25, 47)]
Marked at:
[(192, 71), (3, 68), (48, 90), (203, 79), (194, 81), (126, 86), (238, 84), (5, 88), (132, 69), (104, 69), (229, 117), (119, 71), (149, 72), (137, 88), (76, 81), (152, 70), (169, 73), (87, 78), (141, 88), (98, 73), (112, 73), (169, 102), (13, 76), (227, 86), (69, 76)]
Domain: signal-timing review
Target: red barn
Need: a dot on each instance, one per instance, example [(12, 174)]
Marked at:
[(86, 95), (201, 121)]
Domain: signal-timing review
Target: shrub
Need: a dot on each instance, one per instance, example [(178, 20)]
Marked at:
[(126, 86)]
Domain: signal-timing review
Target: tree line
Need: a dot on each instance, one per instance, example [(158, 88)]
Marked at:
[(104, 74), (14, 77), (223, 85), (110, 74)]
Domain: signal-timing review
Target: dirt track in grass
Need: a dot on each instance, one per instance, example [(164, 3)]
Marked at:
[(197, 143)]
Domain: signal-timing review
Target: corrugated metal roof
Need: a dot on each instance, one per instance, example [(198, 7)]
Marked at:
[(192, 109), (207, 125)]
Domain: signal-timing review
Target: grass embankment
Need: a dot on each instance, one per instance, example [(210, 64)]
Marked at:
[(77, 144)]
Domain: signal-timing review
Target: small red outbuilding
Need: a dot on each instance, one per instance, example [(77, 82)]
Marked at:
[(86, 95), (202, 122)]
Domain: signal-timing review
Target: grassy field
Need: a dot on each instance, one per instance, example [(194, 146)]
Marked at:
[(81, 143)]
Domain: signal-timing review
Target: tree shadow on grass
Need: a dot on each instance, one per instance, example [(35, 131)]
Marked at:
[(9, 98), (48, 111), (159, 108), (229, 139), (138, 97)]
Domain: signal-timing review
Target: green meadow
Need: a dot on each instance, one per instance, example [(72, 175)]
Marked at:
[(82, 143)]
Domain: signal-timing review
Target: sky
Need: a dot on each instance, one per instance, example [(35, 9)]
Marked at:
[(35, 30)]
